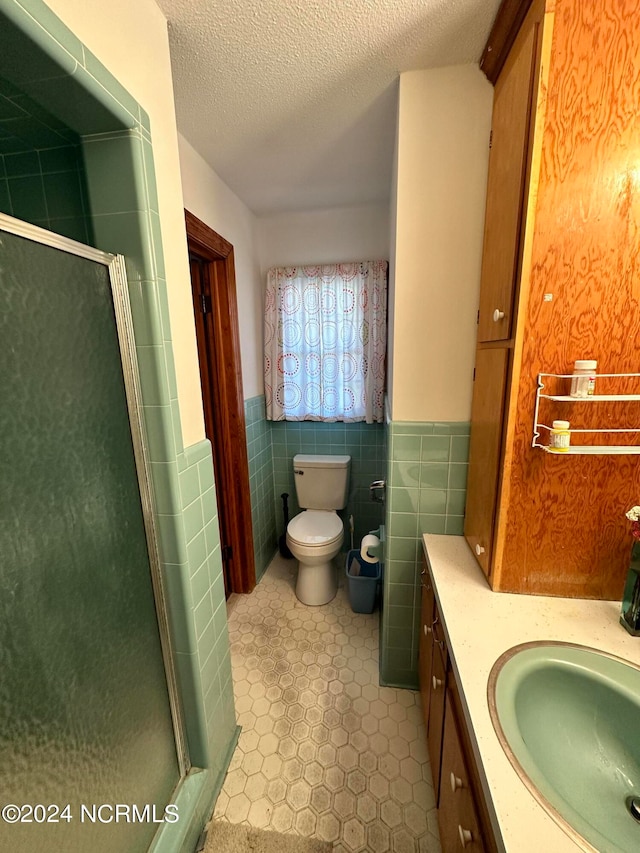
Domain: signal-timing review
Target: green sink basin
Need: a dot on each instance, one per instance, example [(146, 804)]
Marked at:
[(568, 718)]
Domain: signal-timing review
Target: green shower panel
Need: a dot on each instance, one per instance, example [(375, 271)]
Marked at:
[(84, 709)]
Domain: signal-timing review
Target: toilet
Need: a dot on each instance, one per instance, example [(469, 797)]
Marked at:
[(315, 535)]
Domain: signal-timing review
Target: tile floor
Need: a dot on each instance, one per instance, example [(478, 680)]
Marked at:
[(324, 750)]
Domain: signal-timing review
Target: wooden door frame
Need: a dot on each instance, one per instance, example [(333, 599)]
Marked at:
[(218, 341)]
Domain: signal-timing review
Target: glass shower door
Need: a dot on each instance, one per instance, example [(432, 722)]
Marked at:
[(85, 718)]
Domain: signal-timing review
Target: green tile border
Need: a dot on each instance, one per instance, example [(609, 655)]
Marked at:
[(427, 476)]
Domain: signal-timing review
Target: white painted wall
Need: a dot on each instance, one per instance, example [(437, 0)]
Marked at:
[(211, 200), (442, 159), (324, 236), (130, 39), (391, 304)]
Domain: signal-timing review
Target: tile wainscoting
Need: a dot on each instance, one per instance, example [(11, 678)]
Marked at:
[(426, 493)]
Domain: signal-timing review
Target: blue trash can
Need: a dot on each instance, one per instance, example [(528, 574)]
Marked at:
[(362, 578)]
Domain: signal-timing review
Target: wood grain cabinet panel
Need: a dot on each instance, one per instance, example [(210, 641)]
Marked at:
[(562, 236), (487, 413), (463, 815), (505, 188), (457, 815)]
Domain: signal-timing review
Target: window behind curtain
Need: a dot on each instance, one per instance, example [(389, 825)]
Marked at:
[(325, 342)]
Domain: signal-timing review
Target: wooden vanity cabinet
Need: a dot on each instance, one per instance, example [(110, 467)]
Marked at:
[(458, 818), (432, 673), (462, 813)]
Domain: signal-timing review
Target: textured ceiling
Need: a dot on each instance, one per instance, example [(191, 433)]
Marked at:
[(293, 103)]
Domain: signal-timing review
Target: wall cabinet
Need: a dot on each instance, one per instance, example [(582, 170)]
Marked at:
[(560, 274), (462, 814)]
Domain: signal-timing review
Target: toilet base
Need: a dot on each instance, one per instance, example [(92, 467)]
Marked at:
[(317, 584)]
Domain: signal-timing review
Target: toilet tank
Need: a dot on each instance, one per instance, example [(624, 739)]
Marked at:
[(322, 482)]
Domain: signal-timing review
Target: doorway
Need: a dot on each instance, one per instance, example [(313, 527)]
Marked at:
[(213, 285)]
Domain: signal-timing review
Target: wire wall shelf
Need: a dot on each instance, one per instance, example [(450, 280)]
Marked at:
[(584, 449)]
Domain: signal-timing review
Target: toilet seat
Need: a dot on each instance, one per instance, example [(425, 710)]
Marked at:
[(315, 528)]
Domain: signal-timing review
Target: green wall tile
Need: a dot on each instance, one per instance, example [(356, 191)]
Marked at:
[(159, 430), (405, 474), (153, 375), (200, 580), (433, 501), (456, 500), (434, 475), (74, 228), (27, 198), (458, 476), (179, 606), (404, 524), (145, 310), (460, 448), (406, 447), (412, 427), (403, 500), (400, 596), (431, 524), (402, 572), (205, 472), (435, 448), (24, 163), (189, 484), (424, 498), (401, 549), (455, 525), (127, 234), (172, 546), (63, 159), (166, 487), (212, 535), (193, 519)]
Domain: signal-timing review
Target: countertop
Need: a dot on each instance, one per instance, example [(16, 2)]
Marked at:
[(480, 625)]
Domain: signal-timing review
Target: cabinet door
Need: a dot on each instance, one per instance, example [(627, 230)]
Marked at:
[(506, 187), (487, 414), (425, 649), (436, 704), (457, 816)]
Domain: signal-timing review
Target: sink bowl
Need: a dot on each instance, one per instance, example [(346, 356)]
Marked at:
[(568, 718)]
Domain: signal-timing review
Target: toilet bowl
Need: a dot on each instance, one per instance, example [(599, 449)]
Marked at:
[(314, 538)]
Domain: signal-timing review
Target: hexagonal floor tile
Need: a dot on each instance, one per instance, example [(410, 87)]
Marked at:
[(324, 749)]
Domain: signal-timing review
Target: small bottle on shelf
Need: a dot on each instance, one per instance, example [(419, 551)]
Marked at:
[(560, 436), (583, 381)]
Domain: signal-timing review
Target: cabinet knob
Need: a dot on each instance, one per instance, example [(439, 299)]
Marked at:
[(427, 629), (479, 550), (437, 682), (456, 783), (465, 836), (498, 315)]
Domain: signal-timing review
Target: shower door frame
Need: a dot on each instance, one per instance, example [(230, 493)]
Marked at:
[(117, 273)]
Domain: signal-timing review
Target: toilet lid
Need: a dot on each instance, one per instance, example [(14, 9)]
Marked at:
[(315, 527)]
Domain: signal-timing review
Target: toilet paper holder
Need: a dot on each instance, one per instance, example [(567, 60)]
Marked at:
[(375, 487), (374, 550)]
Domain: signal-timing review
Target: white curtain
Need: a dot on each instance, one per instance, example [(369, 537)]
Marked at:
[(325, 342)]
